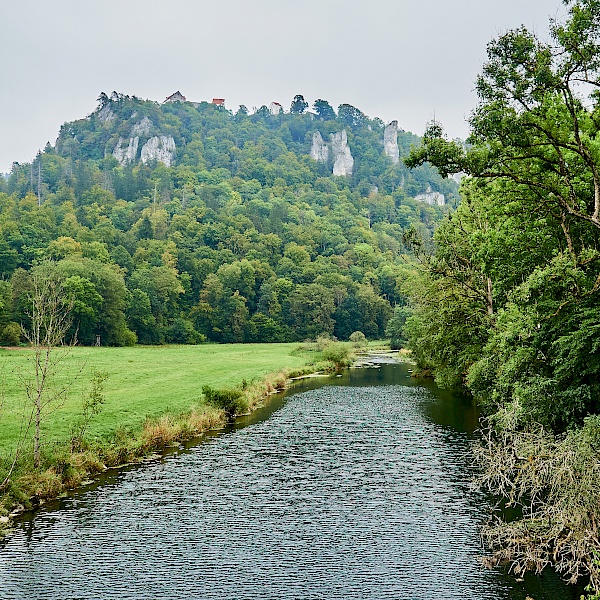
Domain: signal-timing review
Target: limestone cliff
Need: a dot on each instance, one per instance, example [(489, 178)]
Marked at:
[(126, 150), (143, 127), (160, 148), (432, 197), (105, 114), (390, 142), (319, 150), (343, 163)]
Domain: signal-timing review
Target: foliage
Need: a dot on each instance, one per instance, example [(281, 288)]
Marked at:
[(395, 329), (91, 406), (358, 339), (555, 481), (507, 303), (232, 242), (299, 105), (339, 354), (324, 110), (232, 401)]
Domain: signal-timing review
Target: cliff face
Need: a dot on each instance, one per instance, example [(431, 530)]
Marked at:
[(319, 150), (342, 157), (126, 150), (136, 131), (160, 148), (142, 128), (106, 114), (432, 197), (390, 142)]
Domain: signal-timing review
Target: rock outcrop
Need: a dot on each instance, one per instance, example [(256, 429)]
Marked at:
[(160, 148), (105, 114), (390, 142), (432, 197), (319, 150), (458, 177), (343, 163), (142, 128), (126, 150)]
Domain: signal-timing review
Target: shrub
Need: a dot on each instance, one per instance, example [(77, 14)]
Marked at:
[(358, 339), (232, 401), (339, 354), (11, 334), (323, 341)]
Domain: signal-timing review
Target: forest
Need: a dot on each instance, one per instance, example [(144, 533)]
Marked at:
[(184, 222)]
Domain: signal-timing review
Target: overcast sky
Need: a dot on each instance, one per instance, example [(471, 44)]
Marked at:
[(394, 59)]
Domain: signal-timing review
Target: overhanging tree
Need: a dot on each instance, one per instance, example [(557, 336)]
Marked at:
[(534, 156), (538, 120)]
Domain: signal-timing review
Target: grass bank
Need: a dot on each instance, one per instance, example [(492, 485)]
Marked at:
[(152, 398)]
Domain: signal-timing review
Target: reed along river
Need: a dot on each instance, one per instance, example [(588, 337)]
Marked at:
[(357, 489)]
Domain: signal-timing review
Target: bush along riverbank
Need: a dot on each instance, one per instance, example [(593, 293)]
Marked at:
[(67, 463)]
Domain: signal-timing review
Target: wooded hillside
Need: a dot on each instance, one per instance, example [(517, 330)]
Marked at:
[(182, 222)]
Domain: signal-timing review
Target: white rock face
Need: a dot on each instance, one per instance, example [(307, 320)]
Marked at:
[(390, 142), (342, 157), (126, 154), (141, 128), (105, 114), (319, 150), (432, 198), (160, 148)]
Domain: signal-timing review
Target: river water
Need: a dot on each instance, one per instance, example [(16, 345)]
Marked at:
[(357, 489)]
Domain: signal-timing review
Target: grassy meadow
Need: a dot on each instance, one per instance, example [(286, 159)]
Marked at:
[(143, 381)]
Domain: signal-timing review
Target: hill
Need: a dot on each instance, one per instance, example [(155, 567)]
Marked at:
[(184, 221)]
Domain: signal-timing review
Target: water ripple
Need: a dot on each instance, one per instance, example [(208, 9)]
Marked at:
[(344, 493)]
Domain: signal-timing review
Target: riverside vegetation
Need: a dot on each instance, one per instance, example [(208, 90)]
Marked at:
[(242, 236), (508, 304), (224, 229)]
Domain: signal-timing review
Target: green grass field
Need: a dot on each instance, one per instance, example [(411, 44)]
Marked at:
[(143, 381)]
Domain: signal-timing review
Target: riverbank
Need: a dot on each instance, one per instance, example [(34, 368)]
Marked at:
[(152, 399)]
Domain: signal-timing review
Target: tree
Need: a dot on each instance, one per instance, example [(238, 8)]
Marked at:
[(299, 105), (324, 110), (536, 123), (534, 151), (309, 310), (351, 116), (395, 327), (50, 307), (509, 303)]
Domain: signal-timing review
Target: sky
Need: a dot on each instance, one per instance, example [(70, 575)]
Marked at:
[(408, 60)]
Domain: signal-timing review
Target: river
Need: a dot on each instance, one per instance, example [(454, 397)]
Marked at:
[(356, 489)]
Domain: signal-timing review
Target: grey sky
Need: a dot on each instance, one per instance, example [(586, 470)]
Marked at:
[(395, 59)]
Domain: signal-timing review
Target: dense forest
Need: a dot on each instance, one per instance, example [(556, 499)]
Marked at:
[(184, 222), (508, 305)]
